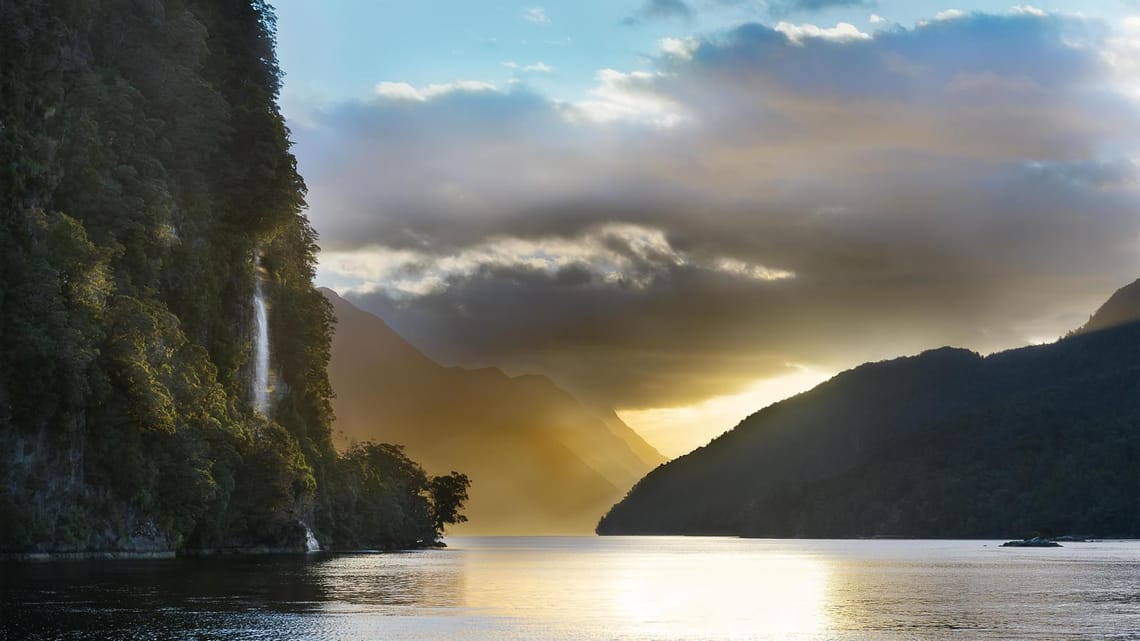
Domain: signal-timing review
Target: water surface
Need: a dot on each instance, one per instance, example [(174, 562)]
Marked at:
[(623, 588)]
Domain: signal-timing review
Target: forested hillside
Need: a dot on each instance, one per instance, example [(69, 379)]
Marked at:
[(145, 175), (943, 444)]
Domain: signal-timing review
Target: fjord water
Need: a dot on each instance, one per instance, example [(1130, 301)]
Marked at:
[(586, 588)]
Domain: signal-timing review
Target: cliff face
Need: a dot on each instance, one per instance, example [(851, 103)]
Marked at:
[(944, 444), (539, 461), (146, 165)]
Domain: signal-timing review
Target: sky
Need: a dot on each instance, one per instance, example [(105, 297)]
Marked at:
[(688, 209)]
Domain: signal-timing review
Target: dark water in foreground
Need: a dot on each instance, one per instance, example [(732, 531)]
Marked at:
[(592, 589)]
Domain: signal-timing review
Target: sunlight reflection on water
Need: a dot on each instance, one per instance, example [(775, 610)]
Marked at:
[(651, 589), (596, 588)]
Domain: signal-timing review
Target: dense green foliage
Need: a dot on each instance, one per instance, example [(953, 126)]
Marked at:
[(944, 444), (383, 496), (144, 165)]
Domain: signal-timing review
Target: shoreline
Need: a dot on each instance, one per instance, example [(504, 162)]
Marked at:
[(204, 553), (104, 555), (221, 553)]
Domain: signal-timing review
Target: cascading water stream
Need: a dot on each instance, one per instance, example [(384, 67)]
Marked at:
[(260, 381), (260, 346), (311, 543)]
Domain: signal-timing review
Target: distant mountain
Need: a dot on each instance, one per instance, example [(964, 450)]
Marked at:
[(539, 461), (944, 444)]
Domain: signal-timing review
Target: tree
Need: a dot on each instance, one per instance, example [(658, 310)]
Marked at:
[(448, 494)]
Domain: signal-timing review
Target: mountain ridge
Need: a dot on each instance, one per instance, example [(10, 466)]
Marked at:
[(848, 458), (1121, 308), (539, 461)]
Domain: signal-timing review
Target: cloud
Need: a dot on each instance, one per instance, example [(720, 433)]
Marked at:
[(1027, 9), (842, 32), (760, 200), (622, 256), (536, 15), (679, 47), (1122, 55), (784, 7), (660, 10), (405, 91), (537, 67), (628, 97)]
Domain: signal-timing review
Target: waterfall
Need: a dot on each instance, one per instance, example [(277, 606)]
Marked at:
[(260, 346), (311, 544)]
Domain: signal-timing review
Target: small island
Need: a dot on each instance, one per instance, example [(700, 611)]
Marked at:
[(1035, 542)]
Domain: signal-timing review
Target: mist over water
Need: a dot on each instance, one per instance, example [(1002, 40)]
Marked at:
[(587, 589)]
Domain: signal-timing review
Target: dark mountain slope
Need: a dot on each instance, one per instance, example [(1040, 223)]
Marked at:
[(946, 443), (539, 461), (1121, 308)]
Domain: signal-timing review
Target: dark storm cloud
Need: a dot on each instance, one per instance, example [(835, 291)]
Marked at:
[(764, 198), (608, 340)]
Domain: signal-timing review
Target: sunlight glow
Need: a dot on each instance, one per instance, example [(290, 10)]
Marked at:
[(677, 430)]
